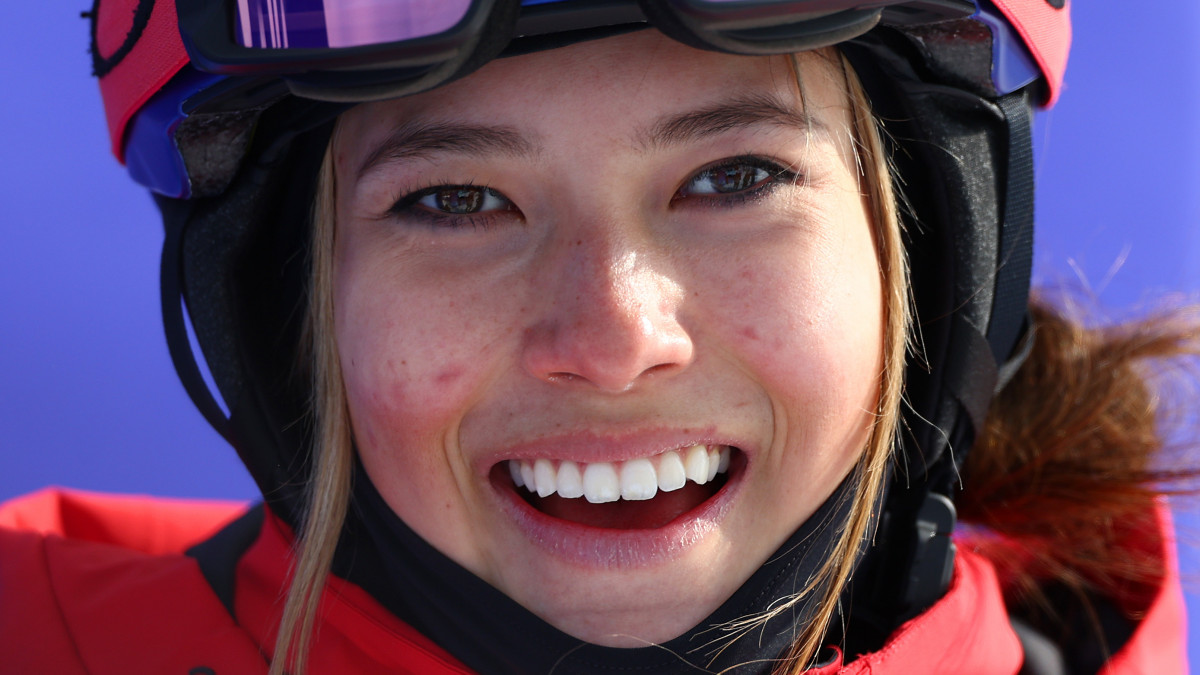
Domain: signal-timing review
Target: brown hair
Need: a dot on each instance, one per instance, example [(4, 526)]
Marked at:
[(871, 469), (333, 451), (1069, 470)]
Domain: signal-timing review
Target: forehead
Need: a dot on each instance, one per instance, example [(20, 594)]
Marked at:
[(616, 87)]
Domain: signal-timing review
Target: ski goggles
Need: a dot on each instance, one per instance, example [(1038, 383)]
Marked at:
[(355, 50), (229, 83)]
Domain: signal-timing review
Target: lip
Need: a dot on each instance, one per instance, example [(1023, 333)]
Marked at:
[(602, 548)]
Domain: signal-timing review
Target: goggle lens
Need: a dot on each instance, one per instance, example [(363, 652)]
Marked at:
[(315, 24)]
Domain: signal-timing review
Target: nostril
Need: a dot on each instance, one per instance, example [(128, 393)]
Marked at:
[(661, 369), (563, 377)]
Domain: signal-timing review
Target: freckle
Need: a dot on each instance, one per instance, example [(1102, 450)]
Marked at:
[(403, 362)]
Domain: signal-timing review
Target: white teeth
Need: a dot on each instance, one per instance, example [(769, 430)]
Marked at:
[(635, 479), (638, 480), (570, 481), (546, 477), (527, 476), (600, 484), (671, 475), (695, 464)]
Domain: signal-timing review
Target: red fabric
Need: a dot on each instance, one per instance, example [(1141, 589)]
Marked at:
[(357, 634), (149, 525), (97, 605), (969, 624), (156, 57), (1047, 32), (1157, 640)]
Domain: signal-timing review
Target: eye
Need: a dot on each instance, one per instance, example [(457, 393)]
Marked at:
[(462, 200), (453, 206), (741, 177)]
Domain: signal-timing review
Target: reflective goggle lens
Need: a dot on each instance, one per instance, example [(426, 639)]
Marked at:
[(308, 24)]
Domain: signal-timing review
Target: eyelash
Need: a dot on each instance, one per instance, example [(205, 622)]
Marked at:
[(409, 206)]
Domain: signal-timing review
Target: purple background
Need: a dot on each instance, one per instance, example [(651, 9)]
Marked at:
[(89, 399)]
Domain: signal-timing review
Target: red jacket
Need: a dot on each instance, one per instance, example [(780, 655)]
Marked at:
[(99, 584)]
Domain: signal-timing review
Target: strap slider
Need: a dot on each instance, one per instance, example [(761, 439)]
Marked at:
[(933, 553)]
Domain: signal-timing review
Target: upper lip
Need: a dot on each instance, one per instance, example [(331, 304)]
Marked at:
[(589, 447)]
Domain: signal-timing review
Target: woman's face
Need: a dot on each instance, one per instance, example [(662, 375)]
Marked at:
[(593, 270)]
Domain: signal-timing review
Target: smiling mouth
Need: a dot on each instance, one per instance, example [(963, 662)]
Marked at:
[(637, 494)]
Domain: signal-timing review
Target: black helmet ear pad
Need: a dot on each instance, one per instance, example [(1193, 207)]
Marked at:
[(963, 165), (241, 261), (952, 152)]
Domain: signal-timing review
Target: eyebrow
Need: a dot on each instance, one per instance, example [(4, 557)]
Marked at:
[(417, 140), (738, 113)]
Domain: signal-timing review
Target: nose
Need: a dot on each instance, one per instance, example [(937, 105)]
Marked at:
[(610, 316)]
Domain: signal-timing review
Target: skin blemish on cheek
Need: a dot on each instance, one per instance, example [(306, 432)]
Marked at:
[(448, 375), (749, 332)]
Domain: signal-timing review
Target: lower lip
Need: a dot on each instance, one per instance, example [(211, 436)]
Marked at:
[(596, 547)]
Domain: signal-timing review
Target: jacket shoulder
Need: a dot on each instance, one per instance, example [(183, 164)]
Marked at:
[(150, 525), (970, 629), (1158, 643), (75, 598)]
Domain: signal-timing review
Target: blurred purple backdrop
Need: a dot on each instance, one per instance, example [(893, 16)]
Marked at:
[(89, 399)]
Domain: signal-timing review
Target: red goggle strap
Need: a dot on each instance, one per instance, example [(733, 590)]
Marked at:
[(1046, 30), (137, 50)]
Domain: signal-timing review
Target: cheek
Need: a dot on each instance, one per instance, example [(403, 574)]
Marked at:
[(411, 357), (808, 321)]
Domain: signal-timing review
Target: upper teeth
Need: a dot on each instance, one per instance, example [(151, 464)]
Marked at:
[(642, 478)]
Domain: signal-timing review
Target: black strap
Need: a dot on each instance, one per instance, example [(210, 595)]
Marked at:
[(218, 555), (175, 324), (989, 360), (1015, 262)]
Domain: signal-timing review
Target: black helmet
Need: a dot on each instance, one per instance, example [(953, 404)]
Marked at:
[(225, 117)]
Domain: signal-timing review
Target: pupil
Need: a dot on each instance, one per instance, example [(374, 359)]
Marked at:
[(460, 201)]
